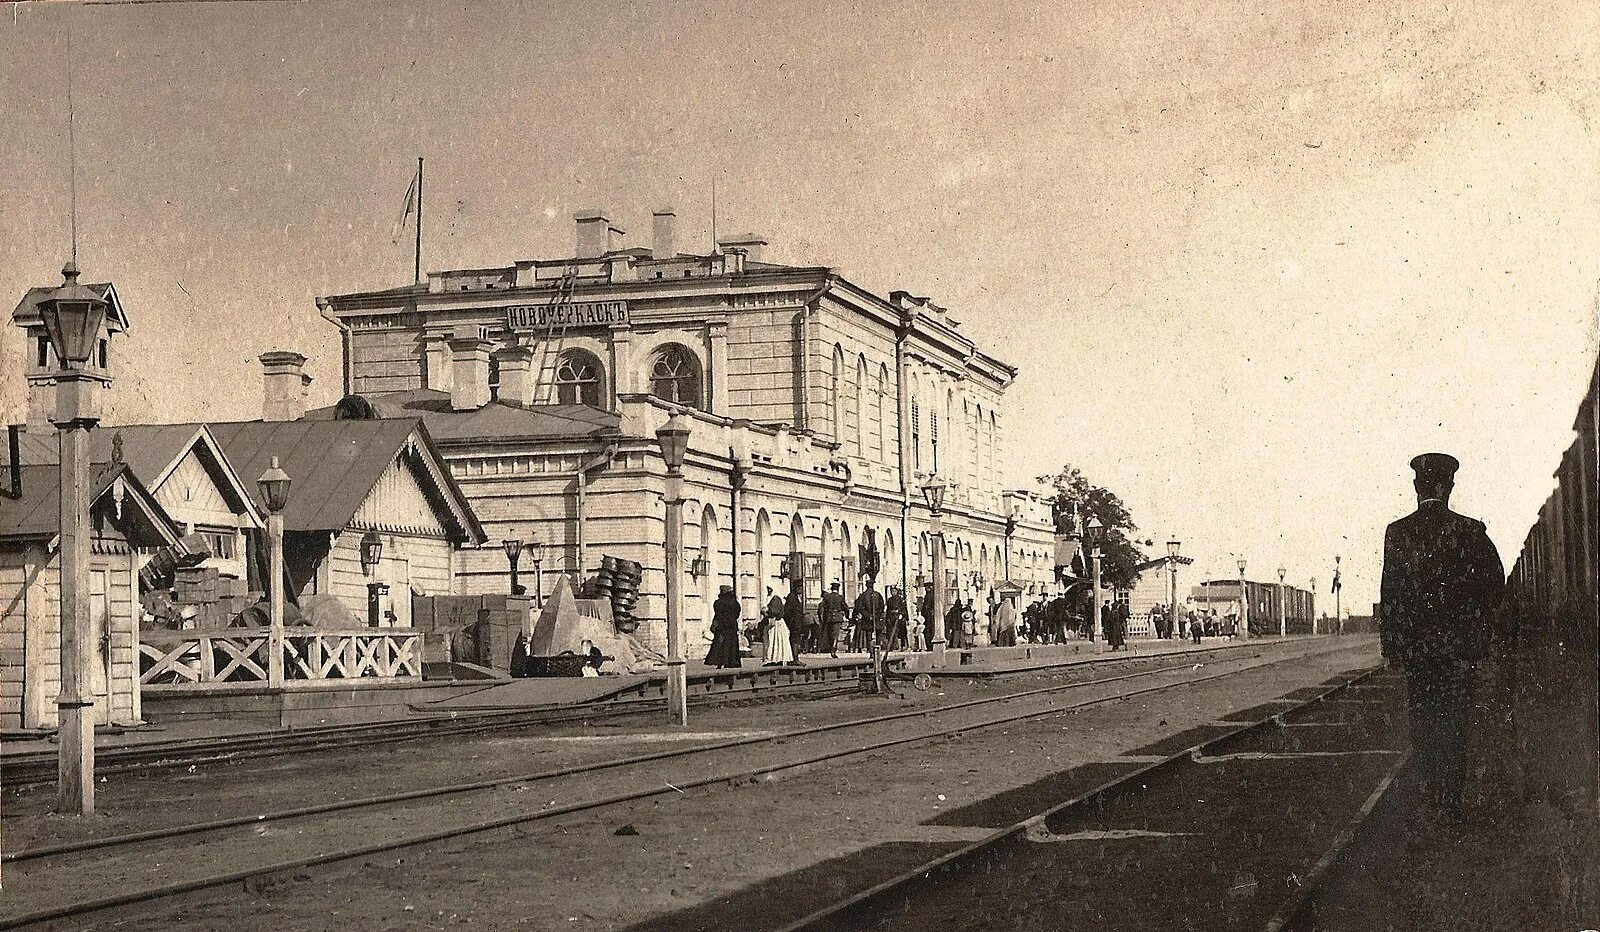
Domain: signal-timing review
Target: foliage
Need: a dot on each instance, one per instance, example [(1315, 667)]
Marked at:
[(1120, 551)]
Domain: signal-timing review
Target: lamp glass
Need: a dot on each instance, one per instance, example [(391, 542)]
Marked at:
[(371, 549), (674, 439), (1172, 549), (933, 493), (274, 487), (72, 315), (513, 547), (1241, 567), (536, 549)]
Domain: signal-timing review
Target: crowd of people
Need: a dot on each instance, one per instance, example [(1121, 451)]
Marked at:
[(786, 630)]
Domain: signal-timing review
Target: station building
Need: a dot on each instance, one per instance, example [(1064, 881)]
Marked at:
[(818, 410)]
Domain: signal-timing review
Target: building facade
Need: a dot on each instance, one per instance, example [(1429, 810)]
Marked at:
[(818, 411)]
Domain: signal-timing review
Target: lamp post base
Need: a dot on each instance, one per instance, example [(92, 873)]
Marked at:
[(937, 648), (75, 763), (678, 691)]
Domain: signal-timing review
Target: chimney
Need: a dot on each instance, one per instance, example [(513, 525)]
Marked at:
[(469, 365), (517, 382), (663, 245), (596, 234), (753, 245), (284, 383)]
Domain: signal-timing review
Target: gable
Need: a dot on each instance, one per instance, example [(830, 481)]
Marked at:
[(191, 493), (398, 504)]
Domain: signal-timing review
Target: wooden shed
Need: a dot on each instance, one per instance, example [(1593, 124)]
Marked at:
[(125, 518)]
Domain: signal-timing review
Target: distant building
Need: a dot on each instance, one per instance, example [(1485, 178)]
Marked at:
[(1223, 596), (1151, 589), (818, 409)]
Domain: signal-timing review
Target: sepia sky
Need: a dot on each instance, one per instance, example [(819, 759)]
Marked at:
[(1250, 258)]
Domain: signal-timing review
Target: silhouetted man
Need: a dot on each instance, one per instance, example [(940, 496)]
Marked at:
[(1442, 582), (833, 611)]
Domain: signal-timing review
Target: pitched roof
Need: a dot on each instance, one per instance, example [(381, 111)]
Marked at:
[(37, 514), (494, 421), (152, 451), (334, 465), (27, 310), (1162, 561)]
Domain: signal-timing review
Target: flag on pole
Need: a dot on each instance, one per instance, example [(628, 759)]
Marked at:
[(408, 206)]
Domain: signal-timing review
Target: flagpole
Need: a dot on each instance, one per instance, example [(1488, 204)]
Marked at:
[(417, 267)]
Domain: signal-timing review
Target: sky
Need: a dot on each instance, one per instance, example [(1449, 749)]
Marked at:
[(1250, 258)]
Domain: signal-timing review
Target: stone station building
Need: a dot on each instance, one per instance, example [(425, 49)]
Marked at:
[(817, 409)]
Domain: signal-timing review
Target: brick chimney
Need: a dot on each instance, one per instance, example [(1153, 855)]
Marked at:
[(664, 243), (753, 244), (469, 365), (517, 378), (284, 383), (597, 235)]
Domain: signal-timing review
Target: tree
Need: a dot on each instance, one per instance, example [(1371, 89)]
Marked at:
[(1120, 553)]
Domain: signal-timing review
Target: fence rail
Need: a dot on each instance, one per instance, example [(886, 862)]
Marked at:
[(210, 656)]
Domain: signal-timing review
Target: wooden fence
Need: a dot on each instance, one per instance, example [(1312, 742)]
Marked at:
[(212, 656)]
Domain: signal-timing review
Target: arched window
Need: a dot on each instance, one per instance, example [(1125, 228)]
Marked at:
[(579, 378), (861, 406), (836, 394), (883, 420), (675, 376)]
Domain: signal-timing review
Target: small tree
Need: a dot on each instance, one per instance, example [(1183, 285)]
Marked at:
[(1120, 553)]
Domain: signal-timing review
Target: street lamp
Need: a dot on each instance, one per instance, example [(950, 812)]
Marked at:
[(1338, 599), (673, 436), (371, 552), (1013, 518), (513, 549), (1172, 588), (1092, 533), (1311, 605), (73, 315), (274, 488), (1283, 605), (933, 494), (1244, 606), (536, 557)]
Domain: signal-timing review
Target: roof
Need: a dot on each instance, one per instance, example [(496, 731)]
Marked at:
[(334, 465), (37, 514), (27, 310), (151, 451), (1162, 561), (494, 421)]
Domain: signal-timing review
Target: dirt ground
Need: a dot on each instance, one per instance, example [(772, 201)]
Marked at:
[(744, 856)]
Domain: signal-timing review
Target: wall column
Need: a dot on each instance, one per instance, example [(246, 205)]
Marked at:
[(717, 340)]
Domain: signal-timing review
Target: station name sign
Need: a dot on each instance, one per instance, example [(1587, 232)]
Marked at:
[(552, 316)]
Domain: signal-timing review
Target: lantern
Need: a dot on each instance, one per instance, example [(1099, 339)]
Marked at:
[(72, 315), (674, 439), (274, 486)]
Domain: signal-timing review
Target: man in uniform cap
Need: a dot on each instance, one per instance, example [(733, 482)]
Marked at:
[(1442, 583)]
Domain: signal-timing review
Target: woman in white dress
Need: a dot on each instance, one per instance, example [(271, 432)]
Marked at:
[(776, 650)]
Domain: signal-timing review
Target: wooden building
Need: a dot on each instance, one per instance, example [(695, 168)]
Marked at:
[(125, 519)]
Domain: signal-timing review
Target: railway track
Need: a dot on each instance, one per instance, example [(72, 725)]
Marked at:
[(1190, 812), (34, 769), (183, 858)]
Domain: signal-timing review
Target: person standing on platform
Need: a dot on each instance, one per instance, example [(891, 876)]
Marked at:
[(724, 650), (794, 616), (869, 616), (1441, 589), (1195, 627), (1005, 623), (925, 612), (896, 618), (832, 611), (776, 648)]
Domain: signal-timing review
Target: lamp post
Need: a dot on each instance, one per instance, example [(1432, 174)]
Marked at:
[(933, 494), (274, 488), (673, 437), (1172, 587), (1092, 532), (1338, 598), (72, 316), (536, 557), (1311, 605), (513, 548), (1244, 606), (1013, 518), (1283, 605)]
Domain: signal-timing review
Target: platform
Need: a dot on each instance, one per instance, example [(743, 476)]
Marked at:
[(992, 661), (557, 692)]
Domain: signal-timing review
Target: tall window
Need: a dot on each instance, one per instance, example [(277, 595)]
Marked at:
[(675, 376), (494, 375), (578, 379), (916, 434)]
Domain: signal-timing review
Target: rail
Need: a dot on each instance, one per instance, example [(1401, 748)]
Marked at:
[(239, 656)]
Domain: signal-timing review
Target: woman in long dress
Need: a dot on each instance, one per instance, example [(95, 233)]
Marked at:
[(724, 650), (776, 649), (1005, 624)]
